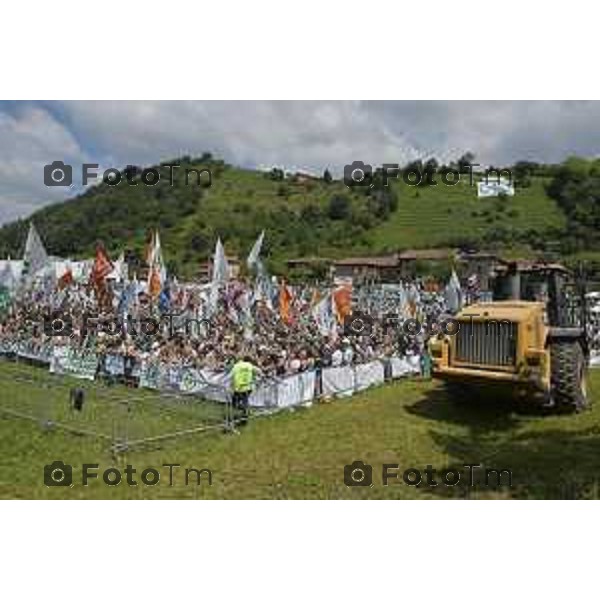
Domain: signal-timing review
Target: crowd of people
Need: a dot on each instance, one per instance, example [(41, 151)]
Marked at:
[(204, 327)]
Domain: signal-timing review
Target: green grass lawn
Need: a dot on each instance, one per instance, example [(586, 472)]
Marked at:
[(440, 215), (302, 453)]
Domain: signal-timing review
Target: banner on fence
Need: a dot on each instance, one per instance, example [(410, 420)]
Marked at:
[(114, 364), (69, 361), (338, 381), (368, 375), (401, 367), (217, 385), (192, 382), (150, 375)]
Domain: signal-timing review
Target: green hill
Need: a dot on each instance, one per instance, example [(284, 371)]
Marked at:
[(302, 216), (441, 215)]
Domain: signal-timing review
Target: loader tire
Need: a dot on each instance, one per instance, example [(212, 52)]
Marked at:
[(568, 376)]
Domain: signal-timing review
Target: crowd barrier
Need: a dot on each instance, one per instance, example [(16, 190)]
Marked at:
[(344, 381), (294, 390)]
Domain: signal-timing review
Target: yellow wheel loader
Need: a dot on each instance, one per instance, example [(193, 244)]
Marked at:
[(532, 339)]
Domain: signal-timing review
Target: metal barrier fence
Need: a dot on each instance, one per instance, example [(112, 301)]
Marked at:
[(127, 418)]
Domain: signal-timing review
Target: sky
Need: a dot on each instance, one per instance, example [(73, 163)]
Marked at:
[(300, 135)]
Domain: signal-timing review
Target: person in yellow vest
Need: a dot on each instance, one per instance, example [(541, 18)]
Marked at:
[(243, 378)]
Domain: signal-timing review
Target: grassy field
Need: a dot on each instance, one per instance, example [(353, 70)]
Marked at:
[(438, 215), (302, 453)]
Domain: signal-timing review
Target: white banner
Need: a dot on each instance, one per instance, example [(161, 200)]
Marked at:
[(309, 379), (338, 381), (368, 375), (34, 351), (265, 395), (217, 385), (67, 361), (490, 188), (401, 367)]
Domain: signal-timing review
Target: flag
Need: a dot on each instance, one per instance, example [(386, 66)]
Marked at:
[(342, 302), (264, 290), (35, 257), (65, 280), (149, 252), (154, 283), (120, 272), (252, 259), (157, 259), (453, 294), (285, 301), (315, 297), (157, 275), (220, 276), (322, 313), (413, 301), (220, 267), (102, 266), (164, 300), (127, 298), (7, 278)]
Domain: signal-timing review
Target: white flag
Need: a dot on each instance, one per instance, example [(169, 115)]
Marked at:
[(453, 294), (157, 259), (255, 252), (7, 279), (220, 267), (323, 315), (35, 257)]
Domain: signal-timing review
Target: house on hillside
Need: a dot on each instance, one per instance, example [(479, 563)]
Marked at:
[(382, 269), (409, 259), (391, 268)]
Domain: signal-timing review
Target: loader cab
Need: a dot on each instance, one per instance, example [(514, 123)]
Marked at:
[(561, 291)]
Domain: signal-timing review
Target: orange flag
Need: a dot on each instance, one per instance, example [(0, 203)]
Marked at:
[(315, 298), (342, 301), (285, 300), (102, 266), (154, 285)]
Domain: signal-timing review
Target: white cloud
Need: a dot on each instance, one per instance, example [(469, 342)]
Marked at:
[(30, 139), (302, 135)]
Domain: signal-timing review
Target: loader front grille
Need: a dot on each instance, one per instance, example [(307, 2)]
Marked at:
[(487, 343)]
